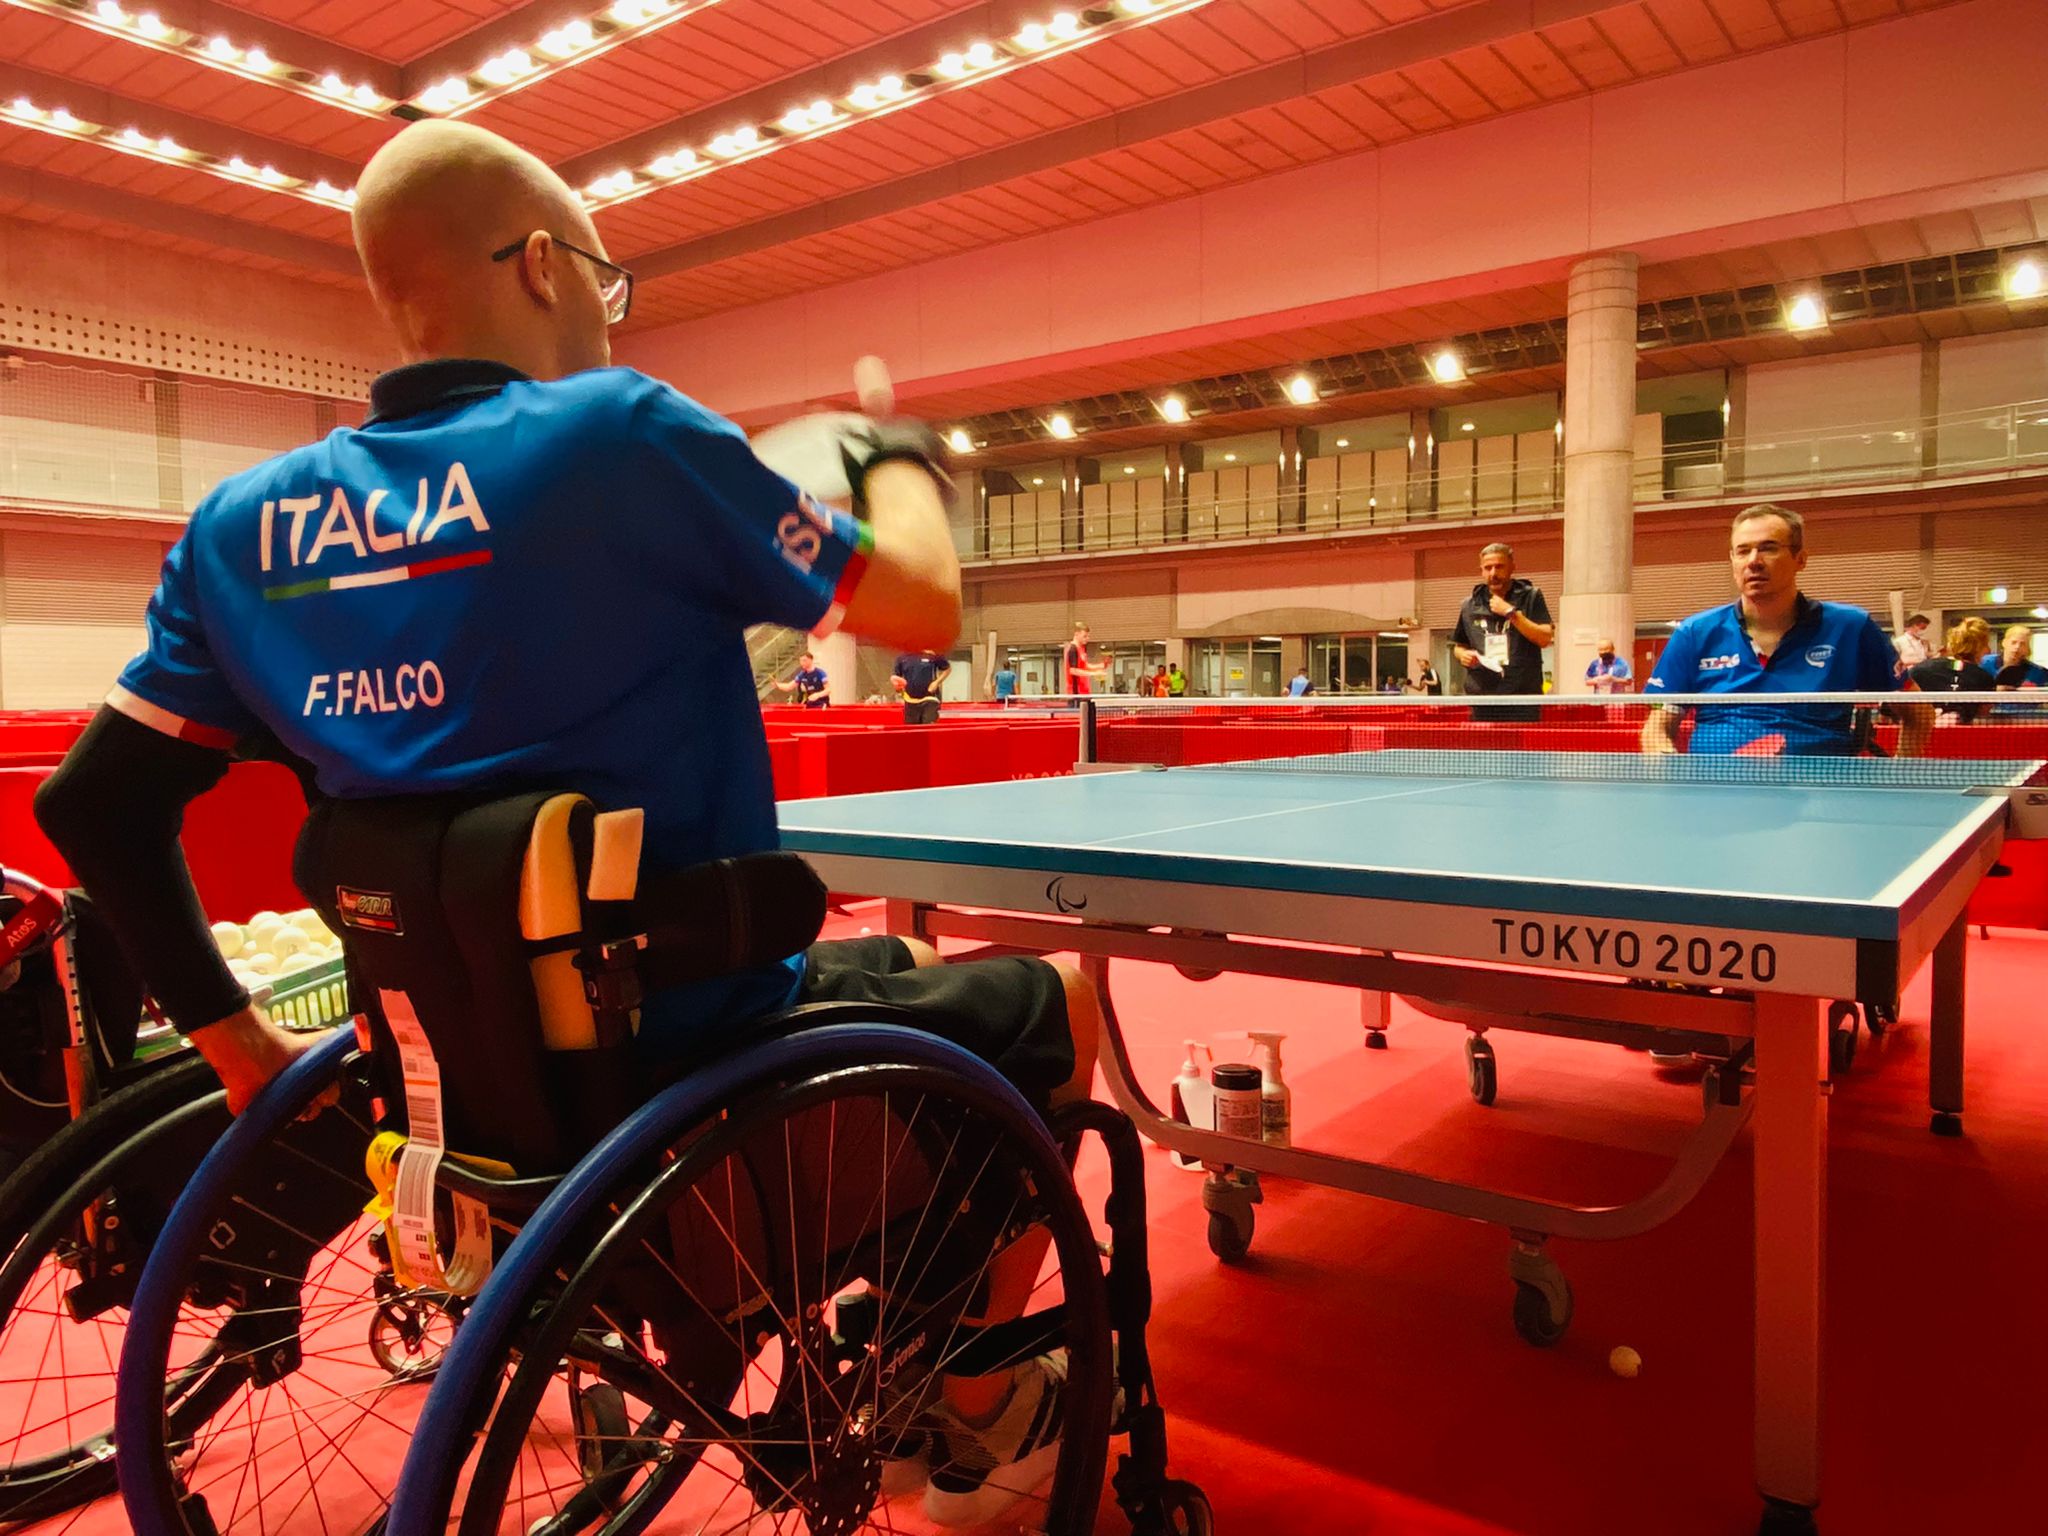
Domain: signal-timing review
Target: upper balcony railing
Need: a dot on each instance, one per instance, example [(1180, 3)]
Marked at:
[(123, 462), (1499, 477)]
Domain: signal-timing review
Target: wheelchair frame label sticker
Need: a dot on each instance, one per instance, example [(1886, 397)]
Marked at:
[(372, 911)]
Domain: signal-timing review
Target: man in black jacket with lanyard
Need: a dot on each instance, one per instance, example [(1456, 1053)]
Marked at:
[(1502, 631)]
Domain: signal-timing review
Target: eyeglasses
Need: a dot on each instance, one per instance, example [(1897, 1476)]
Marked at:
[(615, 283)]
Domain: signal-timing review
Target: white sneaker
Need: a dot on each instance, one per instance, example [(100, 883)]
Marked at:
[(981, 1470)]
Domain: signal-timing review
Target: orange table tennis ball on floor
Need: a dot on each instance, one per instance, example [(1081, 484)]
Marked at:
[(1624, 1362)]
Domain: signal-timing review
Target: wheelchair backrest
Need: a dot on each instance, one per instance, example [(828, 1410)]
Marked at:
[(519, 934), (468, 915)]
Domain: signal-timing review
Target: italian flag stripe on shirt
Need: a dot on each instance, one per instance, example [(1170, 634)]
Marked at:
[(157, 718), (378, 578)]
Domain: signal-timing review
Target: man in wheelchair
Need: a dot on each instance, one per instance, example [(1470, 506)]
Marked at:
[(528, 575)]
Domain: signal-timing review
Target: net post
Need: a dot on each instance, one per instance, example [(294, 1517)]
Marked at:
[(1086, 748)]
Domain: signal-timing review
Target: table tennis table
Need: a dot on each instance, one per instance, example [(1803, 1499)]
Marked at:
[(1534, 891)]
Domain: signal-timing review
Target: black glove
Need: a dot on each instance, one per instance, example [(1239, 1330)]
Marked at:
[(832, 453)]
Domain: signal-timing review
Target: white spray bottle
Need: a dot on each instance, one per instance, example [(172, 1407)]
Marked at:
[(1276, 1099), (1189, 1100)]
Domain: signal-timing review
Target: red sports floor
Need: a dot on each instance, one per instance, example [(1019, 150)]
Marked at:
[(1359, 1374)]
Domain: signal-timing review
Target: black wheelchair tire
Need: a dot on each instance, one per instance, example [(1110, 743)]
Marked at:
[(53, 1166), (1078, 1478), (36, 1485)]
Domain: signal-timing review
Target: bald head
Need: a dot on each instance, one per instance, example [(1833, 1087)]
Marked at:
[(433, 205)]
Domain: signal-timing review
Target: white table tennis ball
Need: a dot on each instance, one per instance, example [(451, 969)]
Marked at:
[(264, 919), (288, 941), (263, 963), (227, 938), (1624, 1362)]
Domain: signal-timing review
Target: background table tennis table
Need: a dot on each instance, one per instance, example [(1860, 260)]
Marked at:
[(1759, 888)]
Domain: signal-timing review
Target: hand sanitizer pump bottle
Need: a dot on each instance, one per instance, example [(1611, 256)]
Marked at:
[(1276, 1099)]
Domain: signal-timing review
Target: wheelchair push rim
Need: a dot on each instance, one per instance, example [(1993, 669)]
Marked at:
[(798, 1443), (548, 1245), (295, 1416)]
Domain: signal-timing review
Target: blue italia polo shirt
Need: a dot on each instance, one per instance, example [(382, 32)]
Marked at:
[(1830, 648), (503, 583)]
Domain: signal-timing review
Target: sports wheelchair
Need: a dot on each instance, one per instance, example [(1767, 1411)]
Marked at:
[(481, 1268), (100, 1123)]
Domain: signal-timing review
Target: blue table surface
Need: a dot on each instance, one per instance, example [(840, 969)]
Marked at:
[(1826, 858)]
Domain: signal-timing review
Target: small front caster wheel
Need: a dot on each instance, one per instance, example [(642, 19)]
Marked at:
[(1230, 1234), (1482, 1073)]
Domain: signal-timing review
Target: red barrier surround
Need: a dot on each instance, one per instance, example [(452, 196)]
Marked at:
[(19, 735), (238, 838), (967, 754), (2015, 893), (782, 766), (867, 762), (1043, 751)]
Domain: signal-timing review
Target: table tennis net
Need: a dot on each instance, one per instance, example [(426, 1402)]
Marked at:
[(1864, 740)]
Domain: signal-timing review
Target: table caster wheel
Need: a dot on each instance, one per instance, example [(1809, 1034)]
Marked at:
[(1540, 1319), (1375, 1039), (1230, 1234), (1945, 1123), (1482, 1073), (1782, 1519), (1228, 1195), (1841, 1038), (1879, 1017)]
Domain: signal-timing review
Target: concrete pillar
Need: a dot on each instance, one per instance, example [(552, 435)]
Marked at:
[(839, 654), (1599, 466)]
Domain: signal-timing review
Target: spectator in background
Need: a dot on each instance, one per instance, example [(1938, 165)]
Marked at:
[(1301, 687), (1390, 684), (1176, 682), (1080, 673), (918, 678), (1003, 681), (2016, 666), (1501, 634), (1960, 670), (1160, 684), (1426, 680), (1911, 642), (808, 684), (1607, 672)]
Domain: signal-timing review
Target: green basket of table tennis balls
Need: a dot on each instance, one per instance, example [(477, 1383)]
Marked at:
[(290, 964)]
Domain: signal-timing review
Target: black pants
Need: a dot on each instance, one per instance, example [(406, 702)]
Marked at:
[(921, 712)]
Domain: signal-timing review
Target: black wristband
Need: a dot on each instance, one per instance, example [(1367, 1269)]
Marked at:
[(897, 440)]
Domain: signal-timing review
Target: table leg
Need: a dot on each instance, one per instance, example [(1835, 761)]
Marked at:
[(1375, 1012), (1945, 1034), (1790, 1139)]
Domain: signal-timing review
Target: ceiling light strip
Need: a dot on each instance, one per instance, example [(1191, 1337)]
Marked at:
[(214, 50), (509, 70), (1062, 32), (573, 42), (166, 150)]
